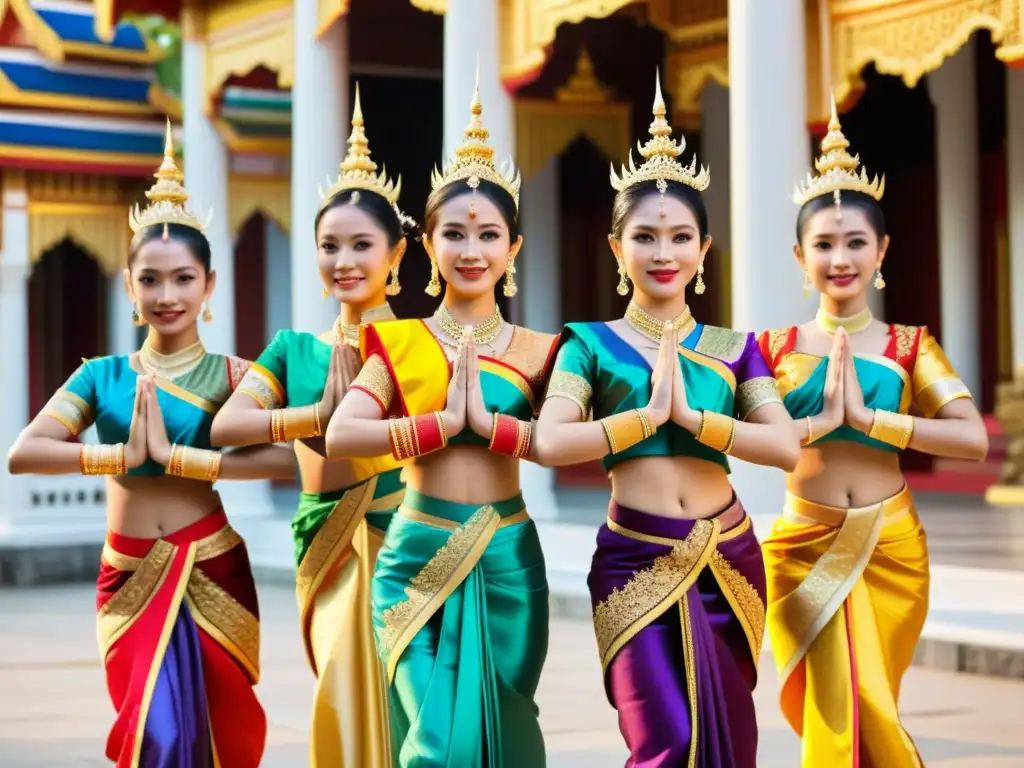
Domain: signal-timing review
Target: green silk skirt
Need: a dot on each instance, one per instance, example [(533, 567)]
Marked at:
[(460, 609)]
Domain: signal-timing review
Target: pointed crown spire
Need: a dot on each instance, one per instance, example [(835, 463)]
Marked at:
[(474, 159), (167, 196), (660, 155), (837, 168), (358, 171)]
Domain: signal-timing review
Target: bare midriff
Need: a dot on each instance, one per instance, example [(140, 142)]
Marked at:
[(465, 474), (153, 507), (845, 474)]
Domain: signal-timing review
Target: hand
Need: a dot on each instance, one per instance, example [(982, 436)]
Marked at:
[(834, 410), (157, 444), (135, 450), (857, 415), (454, 413), (341, 372), (682, 414), (659, 408), (479, 418)]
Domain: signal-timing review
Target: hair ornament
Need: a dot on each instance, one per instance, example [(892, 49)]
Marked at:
[(358, 171), (168, 197), (837, 170), (660, 155), (473, 162)]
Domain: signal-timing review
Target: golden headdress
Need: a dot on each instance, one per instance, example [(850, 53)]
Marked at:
[(660, 153), (474, 160), (837, 169), (358, 171), (168, 197)]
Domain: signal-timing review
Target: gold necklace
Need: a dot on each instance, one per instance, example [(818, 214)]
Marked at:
[(349, 334), (484, 333), (646, 324), (174, 365), (853, 324)]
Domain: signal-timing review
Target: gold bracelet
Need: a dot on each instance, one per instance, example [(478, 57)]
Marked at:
[(624, 430), (287, 424), (892, 428), (716, 431), (194, 463), (102, 459)]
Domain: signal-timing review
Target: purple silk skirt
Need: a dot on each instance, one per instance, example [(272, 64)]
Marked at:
[(679, 615)]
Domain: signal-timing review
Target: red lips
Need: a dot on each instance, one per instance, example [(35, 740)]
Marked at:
[(663, 275), (842, 280), (471, 273)]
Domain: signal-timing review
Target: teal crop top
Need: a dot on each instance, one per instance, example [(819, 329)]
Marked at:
[(723, 371)]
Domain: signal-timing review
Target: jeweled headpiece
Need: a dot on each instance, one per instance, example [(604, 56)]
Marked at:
[(837, 169), (660, 153), (168, 197), (358, 171), (474, 160)]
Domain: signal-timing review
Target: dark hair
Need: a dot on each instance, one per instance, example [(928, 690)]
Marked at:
[(848, 199), (191, 238), (628, 199), (490, 190), (376, 206)]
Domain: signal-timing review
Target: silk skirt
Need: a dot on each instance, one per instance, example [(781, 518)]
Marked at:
[(178, 628), (679, 617), (460, 607), (847, 600)]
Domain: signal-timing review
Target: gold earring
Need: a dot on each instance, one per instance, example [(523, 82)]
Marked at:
[(510, 289), (326, 292), (207, 313), (623, 287), (137, 317), (699, 287), (434, 286), (807, 283), (394, 287), (879, 280)]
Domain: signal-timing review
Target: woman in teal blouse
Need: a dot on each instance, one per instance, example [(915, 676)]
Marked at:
[(178, 622), (677, 581), (289, 394)]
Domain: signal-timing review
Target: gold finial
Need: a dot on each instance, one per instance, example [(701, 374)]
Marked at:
[(474, 160), (168, 196), (358, 171), (837, 168), (660, 155), (583, 87)]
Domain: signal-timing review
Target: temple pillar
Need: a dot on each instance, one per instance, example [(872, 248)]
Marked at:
[(769, 153), (122, 333), (320, 120), (471, 33), (1015, 207), (540, 290), (953, 92), (14, 273), (714, 144), (206, 179)]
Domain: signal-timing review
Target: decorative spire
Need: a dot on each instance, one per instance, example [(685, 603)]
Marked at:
[(837, 169), (358, 171), (660, 155), (167, 196), (583, 87), (474, 160)]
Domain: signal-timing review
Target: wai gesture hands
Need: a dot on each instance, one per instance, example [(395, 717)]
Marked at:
[(668, 391)]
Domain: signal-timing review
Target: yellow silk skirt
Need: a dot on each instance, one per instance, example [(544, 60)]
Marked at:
[(847, 599)]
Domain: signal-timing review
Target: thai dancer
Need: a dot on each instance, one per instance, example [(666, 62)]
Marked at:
[(847, 561), (289, 394), (177, 618), (460, 595), (677, 581)]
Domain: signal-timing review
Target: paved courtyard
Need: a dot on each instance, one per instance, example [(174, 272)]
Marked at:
[(54, 710)]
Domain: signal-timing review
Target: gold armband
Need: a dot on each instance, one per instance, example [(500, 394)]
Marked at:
[(624, 430), (288, 424), (194, 463), (102, 460), (892, 428), (716, 431)]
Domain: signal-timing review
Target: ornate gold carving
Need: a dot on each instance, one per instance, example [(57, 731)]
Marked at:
[(375, 378), (583, 87), (572, 387), (266, 195), (636, 601), (753, 393), (721, 343)]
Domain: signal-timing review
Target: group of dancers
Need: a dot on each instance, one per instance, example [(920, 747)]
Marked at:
[(421, 582)]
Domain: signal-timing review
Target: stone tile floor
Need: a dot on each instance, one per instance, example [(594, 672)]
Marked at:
[(54, 710)]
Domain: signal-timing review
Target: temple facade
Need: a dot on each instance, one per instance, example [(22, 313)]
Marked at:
[(930, 91)]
